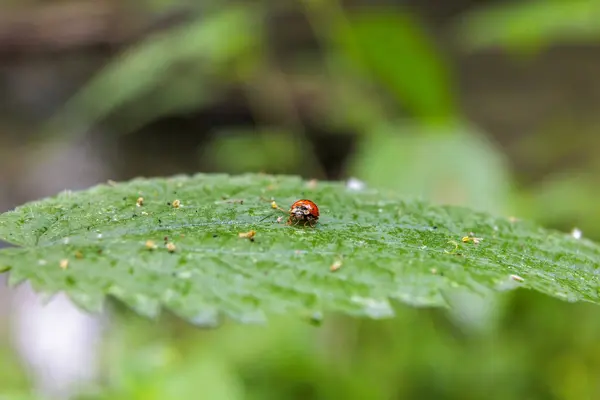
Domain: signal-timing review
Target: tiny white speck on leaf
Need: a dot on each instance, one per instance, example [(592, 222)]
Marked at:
[(355, 184), (184, 275), (576, 233)]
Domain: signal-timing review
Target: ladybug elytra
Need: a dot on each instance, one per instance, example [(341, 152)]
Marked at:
[(305, 212)]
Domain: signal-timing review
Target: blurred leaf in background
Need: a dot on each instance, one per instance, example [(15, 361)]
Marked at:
[(392, 49), (573, 199), (531, 24), (570, 190), (254, 151), (174, 71), (433, 156), (533, 354), (445, 165)]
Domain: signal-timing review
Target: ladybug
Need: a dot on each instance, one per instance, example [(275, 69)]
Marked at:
[(305, 212)]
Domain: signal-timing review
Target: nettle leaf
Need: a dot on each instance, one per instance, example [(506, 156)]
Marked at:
[(368, 250)]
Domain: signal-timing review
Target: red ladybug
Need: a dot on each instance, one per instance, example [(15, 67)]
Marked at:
[(305, 212)]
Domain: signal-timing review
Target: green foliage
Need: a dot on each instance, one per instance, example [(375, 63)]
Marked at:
[(455, 166), (240, 151), (572, 199), (194, 65), (390, 249), (12, 380), (530, 24), (171, 70), (393, 49)]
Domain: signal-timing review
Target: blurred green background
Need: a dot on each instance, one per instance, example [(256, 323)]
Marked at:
[(489, 104)]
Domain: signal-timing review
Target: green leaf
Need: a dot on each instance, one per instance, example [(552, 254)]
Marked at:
[(172, 71), (454, 165), (394, 50), (532, 23), (387, 249)]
